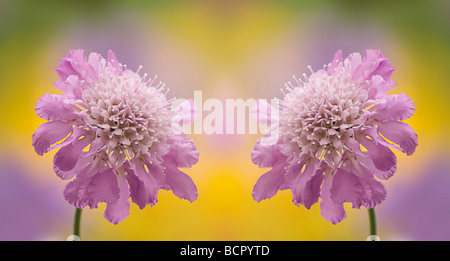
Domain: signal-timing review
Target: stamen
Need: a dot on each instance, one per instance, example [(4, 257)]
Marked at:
[(297, 81), (139, 69)]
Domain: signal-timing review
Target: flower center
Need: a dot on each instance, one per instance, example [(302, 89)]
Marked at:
[(128, 114), (322, 113)]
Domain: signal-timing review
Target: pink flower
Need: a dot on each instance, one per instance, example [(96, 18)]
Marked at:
[(117, 136), (336, 129)]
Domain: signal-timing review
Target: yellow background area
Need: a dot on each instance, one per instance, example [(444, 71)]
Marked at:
[(227, 50)]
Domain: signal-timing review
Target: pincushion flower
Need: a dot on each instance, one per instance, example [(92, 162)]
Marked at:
[(116, 136), (335, 130)]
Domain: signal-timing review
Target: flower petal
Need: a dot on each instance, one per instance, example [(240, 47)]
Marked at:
[(331, 211), (113, 62), (336, 61), (75, 190), (49, 133), (383, 158), (270, 182), (381, 65), (346, 187), (67, 64), (55, 107), (373, 133), (374, 191), (143, 187), (66, 158), (103, 187), (266, 155), (183, 153), (81, 162), (96, 65), (118, 211), (401, 133), (393, 107), (378, 87), (373, 63), (368, 163), (76, 63), (352, 64), (306, 186), (72, 86), (180, 183)]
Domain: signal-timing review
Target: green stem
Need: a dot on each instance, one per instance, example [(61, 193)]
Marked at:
[(372, 221), (77, 222)]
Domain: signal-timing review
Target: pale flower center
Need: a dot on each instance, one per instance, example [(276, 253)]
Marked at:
[(321, 113), (128, 114)]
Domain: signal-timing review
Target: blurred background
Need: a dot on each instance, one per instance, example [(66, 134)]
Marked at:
[(226, 49)]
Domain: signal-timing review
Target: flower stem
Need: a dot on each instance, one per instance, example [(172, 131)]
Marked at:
[(77, 222), (373, 222)]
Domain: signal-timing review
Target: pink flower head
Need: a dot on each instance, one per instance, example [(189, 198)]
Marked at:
[(118, 136), (336, 129)]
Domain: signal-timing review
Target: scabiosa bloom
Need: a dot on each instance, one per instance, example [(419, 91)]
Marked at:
[(118, 136), (336, 129)]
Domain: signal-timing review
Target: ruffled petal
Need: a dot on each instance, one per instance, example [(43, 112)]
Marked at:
[(143, 186), (352, 63), (114, 63), (373, 63), (67, 157), (183, 153), (383, 158), (401, 133), (67, 66), (368, 162), (118, 211), (378, 87), (76, 64), (72, 86), (75, 190), (96, 64), (49, 133), (180, 183), (373, 191), (266, 155), (380, 64), (393, 107), (354, 146), (373, 133), (346, 187), (337, 60), (270, 182), (85, 68), (160, 149), (306, 186), (56, 107), (376, 192), (102, 187), (331, 211), (81, 162)]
